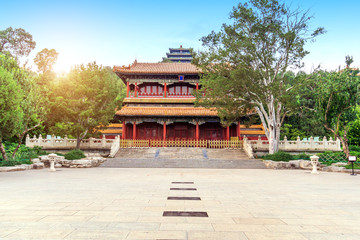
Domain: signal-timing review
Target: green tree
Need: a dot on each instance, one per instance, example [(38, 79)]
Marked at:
[(17, 42), (11, 114), (336, 95), (45, 60), (348, 61), (84, 101), (245, 64), (32, 102)]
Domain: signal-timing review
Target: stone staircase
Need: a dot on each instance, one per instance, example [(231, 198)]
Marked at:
[(182, 158)]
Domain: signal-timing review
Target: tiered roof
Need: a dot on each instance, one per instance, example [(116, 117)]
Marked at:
[(158, 68), (166, 111)]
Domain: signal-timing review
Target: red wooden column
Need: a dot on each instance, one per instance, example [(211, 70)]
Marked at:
[(135, 90), (227, 133), (124, 130), (127, 89), (197, 131), (164, 131), (197, 86), (134, 131), (165, 89), (238, 130)]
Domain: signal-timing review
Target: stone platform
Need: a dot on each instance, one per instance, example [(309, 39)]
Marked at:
[(240, 204)]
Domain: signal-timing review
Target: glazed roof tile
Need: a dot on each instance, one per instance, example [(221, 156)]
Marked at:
[(159, 68), (166, 111)]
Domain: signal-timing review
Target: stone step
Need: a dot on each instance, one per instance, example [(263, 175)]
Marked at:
[(182, 158)]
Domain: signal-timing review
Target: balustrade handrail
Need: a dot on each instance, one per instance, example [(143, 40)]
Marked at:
[(299, 145)]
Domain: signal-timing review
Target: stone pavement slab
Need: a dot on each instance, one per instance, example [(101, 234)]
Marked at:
[(126, 203)]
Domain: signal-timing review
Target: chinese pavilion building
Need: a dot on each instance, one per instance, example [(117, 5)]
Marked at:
[(159, 104), (181, 54)]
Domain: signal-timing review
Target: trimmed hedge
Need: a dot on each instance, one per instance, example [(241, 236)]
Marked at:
[(74, 154), (285, 157)]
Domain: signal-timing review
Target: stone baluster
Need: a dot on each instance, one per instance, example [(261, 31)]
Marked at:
[(103, 141), (298, 143), (52, 140), (40, 141), (286, 143), (338, 144), (65, 141), (259, 144), (312, 145), (27, 141), (325, 144)]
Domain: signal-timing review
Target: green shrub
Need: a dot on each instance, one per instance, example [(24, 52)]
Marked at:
[(302, 156), (279, 156), (354, 148), (74, 154), (355, 153)]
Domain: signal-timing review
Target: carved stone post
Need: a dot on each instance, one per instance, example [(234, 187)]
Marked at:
[(314, 161), (52, 158)]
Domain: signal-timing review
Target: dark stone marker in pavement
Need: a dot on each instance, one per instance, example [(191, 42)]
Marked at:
[(184, 214), (182, 182), (188, 189), (183, 198)]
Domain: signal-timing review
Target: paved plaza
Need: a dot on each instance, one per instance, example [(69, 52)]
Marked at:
[(125, 203)]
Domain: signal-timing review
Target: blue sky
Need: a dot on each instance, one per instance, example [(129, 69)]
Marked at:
[(118, 32)]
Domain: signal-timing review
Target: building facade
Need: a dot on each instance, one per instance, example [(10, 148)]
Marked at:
[(159, 104)]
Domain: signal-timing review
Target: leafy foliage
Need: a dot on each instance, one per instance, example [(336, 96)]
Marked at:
[(354, 148), (354, 132), (74, 154)]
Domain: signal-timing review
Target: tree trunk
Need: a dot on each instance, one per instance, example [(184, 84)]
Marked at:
[(78, 142), (271, 121), (22, 136), (345, 145), (3, 152)]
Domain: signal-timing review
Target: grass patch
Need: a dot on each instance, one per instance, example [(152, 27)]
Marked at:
[(10, 163), (356, 166)]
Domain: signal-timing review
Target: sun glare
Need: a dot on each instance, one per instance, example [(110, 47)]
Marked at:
[(63, 65)]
